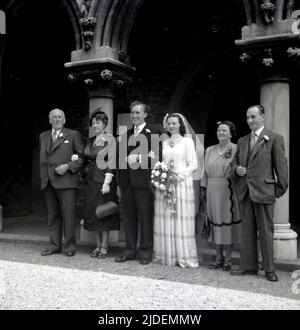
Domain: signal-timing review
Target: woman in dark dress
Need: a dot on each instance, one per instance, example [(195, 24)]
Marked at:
[(99, 182)]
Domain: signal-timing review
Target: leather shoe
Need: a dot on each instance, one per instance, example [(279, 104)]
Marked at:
[(70, 253), (48, 252), (226, 267), (216, 265), (271, 276), (144, 261), (124, 258), (242, 272)]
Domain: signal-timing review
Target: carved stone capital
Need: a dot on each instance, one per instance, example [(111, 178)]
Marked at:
[(88, 26), (102, 79), (270, 63)]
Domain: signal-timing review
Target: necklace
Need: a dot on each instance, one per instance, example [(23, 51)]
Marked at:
[(219, 150), (175, 141)]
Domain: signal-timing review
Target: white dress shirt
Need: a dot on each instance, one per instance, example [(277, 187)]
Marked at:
[(138, 129)]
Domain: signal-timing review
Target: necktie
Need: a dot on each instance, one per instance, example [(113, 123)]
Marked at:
[(252, 140), (54, 136), (136, 131)]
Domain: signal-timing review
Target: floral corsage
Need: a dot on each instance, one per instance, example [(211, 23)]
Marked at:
[(228, 152)]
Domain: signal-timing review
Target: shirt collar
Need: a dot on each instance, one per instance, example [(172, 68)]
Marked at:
[(257, 133), (140, 127), (57, 132)]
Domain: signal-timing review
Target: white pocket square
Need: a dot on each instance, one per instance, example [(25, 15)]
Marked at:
[(67, 141)]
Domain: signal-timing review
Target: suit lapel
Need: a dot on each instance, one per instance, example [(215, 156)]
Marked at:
[(244, 150), (47, 141), (258, 144), (60, 140), (131, 132)]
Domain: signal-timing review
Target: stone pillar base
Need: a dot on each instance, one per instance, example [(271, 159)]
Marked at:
[(285, 242), (89, 237)]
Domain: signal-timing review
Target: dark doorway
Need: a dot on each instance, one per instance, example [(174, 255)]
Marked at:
[(39, 42)]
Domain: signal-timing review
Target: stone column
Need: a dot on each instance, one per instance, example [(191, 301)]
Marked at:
[(101, 93), (275, 97)]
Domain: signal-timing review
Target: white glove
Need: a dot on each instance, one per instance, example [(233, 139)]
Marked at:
[(106, 184), (108, 178)]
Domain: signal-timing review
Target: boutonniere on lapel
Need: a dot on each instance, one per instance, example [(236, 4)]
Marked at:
[(66, 141), (265, 139), (228, 152), (74, 158), (61, 135), (147, 130)]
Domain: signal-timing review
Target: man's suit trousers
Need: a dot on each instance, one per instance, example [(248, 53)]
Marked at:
[(257, 216), (61, 206)]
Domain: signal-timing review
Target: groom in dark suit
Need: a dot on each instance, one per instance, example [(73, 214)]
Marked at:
[(60, 150), (134, 182), (261, 167)]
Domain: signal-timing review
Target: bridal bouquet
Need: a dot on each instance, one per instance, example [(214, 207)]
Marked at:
[(164, 179)]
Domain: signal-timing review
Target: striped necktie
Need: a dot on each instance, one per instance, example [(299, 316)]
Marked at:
[(252, 140), (54, 136), (136, 131)]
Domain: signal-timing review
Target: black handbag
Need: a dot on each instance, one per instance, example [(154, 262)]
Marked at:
[(206, 229), (107, 209)]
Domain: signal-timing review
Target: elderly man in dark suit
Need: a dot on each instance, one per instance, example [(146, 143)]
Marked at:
[(134, 182), (60, 150), (260, 166)]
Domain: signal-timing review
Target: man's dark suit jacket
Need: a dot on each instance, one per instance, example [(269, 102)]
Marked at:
[(140, 177), (61, 152), (267, 170)]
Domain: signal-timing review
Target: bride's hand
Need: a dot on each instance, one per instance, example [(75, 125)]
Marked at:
[(181, 177)]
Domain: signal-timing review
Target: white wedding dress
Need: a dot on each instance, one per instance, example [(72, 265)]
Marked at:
[(174, 233)]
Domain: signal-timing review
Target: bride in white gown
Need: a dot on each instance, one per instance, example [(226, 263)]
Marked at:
[(174, 232)]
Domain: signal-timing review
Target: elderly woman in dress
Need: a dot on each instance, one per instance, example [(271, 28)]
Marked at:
[(222, 206)]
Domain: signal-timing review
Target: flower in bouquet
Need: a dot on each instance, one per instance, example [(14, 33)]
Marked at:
[(158, 176), (164, 179)]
